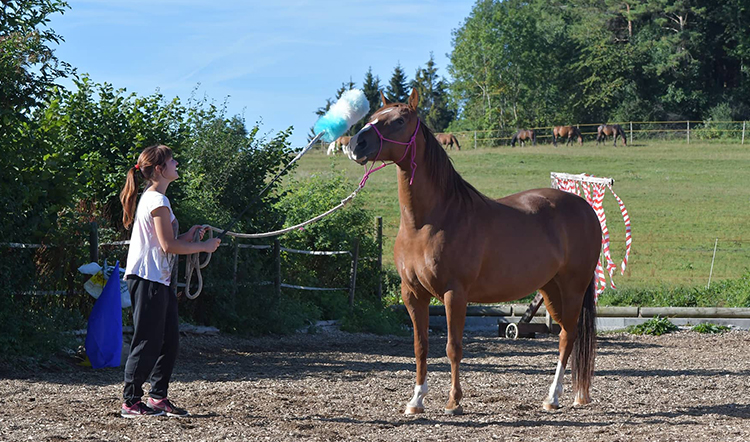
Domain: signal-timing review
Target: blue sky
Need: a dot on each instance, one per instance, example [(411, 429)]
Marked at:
[(275, 62)]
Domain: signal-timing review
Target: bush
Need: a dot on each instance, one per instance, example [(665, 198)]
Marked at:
[(655, 327), (370, 316), (710, 328)]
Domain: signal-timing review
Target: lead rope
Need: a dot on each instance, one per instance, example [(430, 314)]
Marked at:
[(193, 265)]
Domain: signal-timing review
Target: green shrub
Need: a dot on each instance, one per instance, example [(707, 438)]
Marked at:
[(655, 327), (370, 316), (710, 328)]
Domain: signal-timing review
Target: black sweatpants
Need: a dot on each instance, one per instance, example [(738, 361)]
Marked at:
[(156, 337)]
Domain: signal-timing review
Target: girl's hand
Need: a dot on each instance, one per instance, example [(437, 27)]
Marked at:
[(190, 235), (211, 245)]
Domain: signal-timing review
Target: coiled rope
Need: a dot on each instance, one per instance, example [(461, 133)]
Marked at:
[(193, 265)]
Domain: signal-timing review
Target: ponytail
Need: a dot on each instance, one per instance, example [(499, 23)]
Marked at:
[(151, 157), (128, 197)]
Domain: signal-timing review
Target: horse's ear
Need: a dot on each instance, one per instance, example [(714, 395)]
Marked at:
[(414, 99), (382, 98)]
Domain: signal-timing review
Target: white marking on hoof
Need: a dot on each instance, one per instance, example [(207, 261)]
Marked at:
[(416, 404), (582, 399), (455, 411), (555, 390)]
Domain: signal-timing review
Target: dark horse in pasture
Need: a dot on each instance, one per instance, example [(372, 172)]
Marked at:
[(459, 246), (567, 131), (522, 136), (603, 131), (448, 140)]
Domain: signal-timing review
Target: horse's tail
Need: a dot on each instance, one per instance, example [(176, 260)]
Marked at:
[(584, 348), (513, 140), (455, 140)]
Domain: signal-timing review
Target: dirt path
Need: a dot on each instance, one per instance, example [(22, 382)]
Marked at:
[(338, 386)]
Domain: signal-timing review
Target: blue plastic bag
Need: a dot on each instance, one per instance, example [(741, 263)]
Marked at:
[(104, 333)]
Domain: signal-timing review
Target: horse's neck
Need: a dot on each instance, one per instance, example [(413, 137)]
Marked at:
[(422, 201)]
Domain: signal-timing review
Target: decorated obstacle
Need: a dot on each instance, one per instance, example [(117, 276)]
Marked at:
[(593, 190)]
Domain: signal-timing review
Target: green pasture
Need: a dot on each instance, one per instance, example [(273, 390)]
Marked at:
[(681, 198)]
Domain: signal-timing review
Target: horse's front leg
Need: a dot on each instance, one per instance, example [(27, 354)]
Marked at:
[(419, 311), (455, 314)]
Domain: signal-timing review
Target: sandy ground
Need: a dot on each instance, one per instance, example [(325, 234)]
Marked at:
[(338, 386)]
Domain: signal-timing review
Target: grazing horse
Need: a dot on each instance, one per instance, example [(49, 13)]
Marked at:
[(459, 246), (603, 131), (522, 136), (567, 131), (448, 140), (339, 142)]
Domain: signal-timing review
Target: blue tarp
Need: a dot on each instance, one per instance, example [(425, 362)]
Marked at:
[(104, 333)]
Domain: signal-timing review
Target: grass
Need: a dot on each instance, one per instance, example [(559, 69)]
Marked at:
[(680, 198)]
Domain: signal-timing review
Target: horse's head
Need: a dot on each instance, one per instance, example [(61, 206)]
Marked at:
[(388, 134)]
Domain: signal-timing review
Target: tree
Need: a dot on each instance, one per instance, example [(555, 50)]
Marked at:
[(433, 97), (396, 90), (28, 70)]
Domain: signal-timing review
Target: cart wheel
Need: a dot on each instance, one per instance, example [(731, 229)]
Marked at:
[(511, 332)]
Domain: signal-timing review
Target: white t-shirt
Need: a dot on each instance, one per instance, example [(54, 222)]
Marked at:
[(146, 259)]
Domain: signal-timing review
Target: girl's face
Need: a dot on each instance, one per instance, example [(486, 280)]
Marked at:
[(169, 171)]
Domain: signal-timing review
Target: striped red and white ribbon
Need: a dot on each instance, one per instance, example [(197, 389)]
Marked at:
[(593, 191)]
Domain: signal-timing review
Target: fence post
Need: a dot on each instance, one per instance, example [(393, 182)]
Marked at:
[(379, 226), (236, 245), (94, 242), (353, 284), (743, 131), (631, 132), (688, 132), (277, 266), (475, 139)]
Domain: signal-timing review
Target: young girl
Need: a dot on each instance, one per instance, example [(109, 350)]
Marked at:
[(153, 246)]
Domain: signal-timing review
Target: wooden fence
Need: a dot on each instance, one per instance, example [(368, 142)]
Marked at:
[(276, 249)]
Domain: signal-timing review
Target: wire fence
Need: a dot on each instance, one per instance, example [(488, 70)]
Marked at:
[(685, 130)]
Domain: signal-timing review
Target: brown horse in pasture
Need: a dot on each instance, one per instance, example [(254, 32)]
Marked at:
[(615, 130), (448, 140), (522, 136), (567, 131), (459, 246)]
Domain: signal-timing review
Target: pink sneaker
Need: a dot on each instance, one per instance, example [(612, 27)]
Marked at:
[(139, 409), (165, 406)]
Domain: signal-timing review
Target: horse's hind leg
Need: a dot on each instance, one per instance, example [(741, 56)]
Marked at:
[(564, 313), (455, 314), (419, 312)]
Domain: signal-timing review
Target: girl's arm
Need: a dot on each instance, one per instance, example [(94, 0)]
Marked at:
[(176, 246)]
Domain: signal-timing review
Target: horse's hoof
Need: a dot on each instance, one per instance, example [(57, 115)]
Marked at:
[(459, 410), (411, 411), (581, 401), (549, 406)]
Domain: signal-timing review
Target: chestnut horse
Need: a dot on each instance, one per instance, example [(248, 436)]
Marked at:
[(448, 140), (459, 246), (603, 131), (339, 142), (522, 136), (566, 131)]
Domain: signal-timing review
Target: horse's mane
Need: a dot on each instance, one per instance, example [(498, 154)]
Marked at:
[(442, 172)]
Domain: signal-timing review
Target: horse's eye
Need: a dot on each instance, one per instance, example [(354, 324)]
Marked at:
[(399, 121)]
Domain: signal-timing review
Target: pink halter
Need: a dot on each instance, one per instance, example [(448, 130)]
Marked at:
[(412, 143)]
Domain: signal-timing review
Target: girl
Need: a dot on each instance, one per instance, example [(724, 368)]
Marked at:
[(153, 246)]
